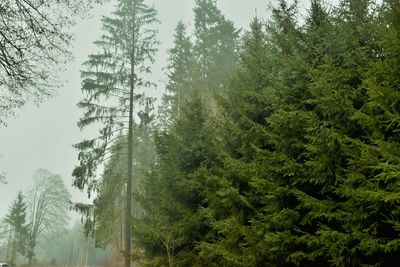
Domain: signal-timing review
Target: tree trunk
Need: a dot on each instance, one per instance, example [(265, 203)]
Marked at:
[(31, 252), (13, 250), (130, 148), (8, 243)]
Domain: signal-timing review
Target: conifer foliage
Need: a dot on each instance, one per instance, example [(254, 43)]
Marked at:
[(113, 85), (16, 220), (303, 162), (278, 150)]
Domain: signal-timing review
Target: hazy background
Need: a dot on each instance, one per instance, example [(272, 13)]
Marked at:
[(43, 137)]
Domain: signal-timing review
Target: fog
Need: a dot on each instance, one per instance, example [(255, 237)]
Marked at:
[(42, 137), (263, 134)]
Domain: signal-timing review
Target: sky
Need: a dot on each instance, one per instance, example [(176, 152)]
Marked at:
[(42, 137)]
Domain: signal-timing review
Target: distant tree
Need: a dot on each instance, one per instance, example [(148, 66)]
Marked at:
[(216, 41), (48, 203), (180, 70), (16, 219), (72, 248), (34, 40)]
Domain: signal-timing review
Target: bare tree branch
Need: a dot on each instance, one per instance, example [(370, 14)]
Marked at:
[(48, 203)]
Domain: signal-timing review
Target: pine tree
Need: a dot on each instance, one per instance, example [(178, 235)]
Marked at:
[(370, 186), (180, 70), (215, 48), (280, 205), (171, 194), (247, 104), (111, 85), (300, 165), (261, 128), (16, 219)]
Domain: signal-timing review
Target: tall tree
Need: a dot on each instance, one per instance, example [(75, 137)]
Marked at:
[(231, 202), (300, 165), (170, 195), (370, 187), (113, 84), (48, 203), (180, 70), (16, 219), (215, 47)]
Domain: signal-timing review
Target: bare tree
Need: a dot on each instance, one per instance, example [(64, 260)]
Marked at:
[(34, 40), (48, 204)]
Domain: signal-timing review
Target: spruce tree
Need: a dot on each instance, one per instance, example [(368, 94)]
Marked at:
[(215, 47), (16, 219), (302, 168), (269, 85), (370, 186), (229, 206), (111, 85), (180, 71), (171, 195)]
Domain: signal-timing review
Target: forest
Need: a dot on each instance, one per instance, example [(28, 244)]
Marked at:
[(276, 146)]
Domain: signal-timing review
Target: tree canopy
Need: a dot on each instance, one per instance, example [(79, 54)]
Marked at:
[(278, 146), (34, 41), (48, 201)]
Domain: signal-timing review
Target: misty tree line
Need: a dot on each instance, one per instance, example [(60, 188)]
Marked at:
[(36, 229), (41, 211), (34, 43), (274, 147), (72, 248)]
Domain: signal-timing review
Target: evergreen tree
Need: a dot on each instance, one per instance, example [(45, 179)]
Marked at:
[(370, 186), (111, 85), (247, 105), (171, 195), (280, 205), (300, 165), (16, 219), (215, 48), (2, 178), (109, 200), (180, 70), (238, 201)]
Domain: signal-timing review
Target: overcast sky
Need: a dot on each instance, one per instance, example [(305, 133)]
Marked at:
[(43, 137)]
